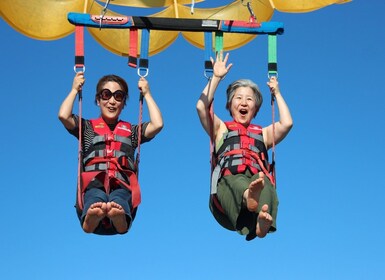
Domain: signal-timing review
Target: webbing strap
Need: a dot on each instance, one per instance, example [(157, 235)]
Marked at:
[(272, 71), (143, 61), (208, 72), (272, 55), (218, 41), (133, 48), (79, 66), (142, 72), (79, 48), (103, 138)]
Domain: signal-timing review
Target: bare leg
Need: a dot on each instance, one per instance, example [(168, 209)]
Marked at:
[(252, 194), (264, 222), (95, 214), (118, 216)]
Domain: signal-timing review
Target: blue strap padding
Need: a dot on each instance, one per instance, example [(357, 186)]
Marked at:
[(208, 54), (144, 46), (264, 28)]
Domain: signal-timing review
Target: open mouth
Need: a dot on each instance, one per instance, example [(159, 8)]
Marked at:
[(243, 112)]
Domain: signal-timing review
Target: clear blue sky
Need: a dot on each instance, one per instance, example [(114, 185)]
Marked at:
[(330, 167)]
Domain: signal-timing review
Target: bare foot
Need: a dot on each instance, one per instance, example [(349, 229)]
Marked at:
[(264, 222), (118, 216), (253, 193), (95, 214)]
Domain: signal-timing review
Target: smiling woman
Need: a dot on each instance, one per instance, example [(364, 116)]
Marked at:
[(109, 193), (243, 196)]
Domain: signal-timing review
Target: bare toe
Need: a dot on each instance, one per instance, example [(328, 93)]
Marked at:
[(254, 192), (264, 222), (95, 214), (118, 217)]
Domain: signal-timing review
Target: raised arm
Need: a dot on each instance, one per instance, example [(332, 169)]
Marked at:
[(285, 123), (156, 119), (220, 69), (65, 111)]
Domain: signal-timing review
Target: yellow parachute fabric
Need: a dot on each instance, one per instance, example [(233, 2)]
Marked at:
[(47, 19), (40, 19), (117, 40), (302, 6), (149, 3)]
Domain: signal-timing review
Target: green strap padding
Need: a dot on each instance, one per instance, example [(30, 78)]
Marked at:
[(218, 41), (272, 55)]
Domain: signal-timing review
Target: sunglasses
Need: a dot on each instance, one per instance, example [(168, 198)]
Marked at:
[(106, 94)]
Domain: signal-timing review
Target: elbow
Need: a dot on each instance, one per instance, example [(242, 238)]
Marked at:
[(289, 125), (61, 117), (158, 127), (200, 107), (64, 116)]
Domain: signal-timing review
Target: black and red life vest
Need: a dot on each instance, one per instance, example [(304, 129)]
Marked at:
[(110, 158), (242, 148)]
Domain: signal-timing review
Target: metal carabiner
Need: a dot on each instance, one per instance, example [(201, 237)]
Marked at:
[(145, 73), (269, 75), (208, 73), (78, 69)]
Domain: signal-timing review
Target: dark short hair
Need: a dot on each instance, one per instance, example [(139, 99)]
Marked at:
[(111, 78)]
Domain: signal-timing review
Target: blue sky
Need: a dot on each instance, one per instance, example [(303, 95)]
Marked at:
[(329, 168)]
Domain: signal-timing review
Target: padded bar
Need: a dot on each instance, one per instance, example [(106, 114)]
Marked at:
[(176, 24)]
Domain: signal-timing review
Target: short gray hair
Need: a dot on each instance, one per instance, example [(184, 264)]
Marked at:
[(244, 83)]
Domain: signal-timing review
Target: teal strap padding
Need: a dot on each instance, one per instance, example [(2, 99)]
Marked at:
[(218, 41), (272, 55)]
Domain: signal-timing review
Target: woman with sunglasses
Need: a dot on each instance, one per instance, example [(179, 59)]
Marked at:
[(109, 196)]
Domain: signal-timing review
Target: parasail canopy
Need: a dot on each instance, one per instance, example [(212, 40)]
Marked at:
[(47, 19)]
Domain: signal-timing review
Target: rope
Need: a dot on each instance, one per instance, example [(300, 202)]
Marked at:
[(272, 71), (137, 159), (79, 65), (142, 67)]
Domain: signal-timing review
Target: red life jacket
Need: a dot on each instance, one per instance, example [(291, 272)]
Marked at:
[(242, 148), (110, 158)]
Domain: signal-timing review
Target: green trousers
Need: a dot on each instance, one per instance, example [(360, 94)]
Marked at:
[(236, 216)]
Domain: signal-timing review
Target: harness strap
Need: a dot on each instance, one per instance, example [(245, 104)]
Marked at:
[(143, 61), (218, 41), (102, 153), (79, 66), (133, 48), (104, 138), (272, 71), (79, 48), (208, 37), (102, 175), (237, 149), (272, 56), (234, 133)]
